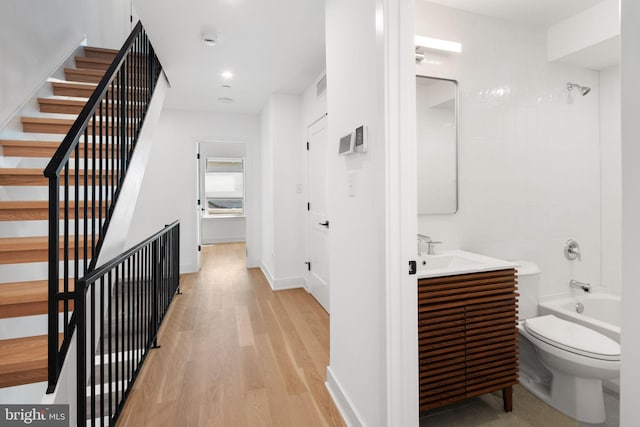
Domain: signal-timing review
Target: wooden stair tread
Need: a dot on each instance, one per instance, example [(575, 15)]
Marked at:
[(22, 299), (34, 210), (35, 177), (27, 351), (83, 75), (25, 292), (32, 204), (47, 120), (75, 106), (23, 360), (100, 52), (44, 149), (78, 85), (95, 60), (11, 244), (19, 250), (87, 71)]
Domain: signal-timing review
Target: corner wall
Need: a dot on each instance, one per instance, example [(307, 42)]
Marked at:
[(283, 253), (169, 187), (356, 376), (529, 155)]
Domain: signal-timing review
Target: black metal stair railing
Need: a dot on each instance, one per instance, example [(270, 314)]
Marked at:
[(85, 177), (120, 308)]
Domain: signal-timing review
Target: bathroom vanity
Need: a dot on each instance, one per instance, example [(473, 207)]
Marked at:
[(467, 328)]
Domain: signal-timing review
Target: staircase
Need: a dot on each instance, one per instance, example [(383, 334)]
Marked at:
[(24, 214)]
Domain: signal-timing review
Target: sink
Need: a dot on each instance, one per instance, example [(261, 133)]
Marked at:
[(448, 263), (433, 262)]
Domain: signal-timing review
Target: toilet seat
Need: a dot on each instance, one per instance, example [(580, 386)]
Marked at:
[(573, 337)]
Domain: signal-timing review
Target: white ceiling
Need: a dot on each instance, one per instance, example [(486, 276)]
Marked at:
[(270, 46), (274, 45), (535, 13)]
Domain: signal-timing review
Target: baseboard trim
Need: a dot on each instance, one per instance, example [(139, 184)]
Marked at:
[(227, 239), (348, 412), (188, 268), (281, 284)]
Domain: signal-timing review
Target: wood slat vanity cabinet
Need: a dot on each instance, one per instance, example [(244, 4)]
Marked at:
[(467, 337)]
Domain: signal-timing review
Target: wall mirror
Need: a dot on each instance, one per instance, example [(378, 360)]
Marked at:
[(437, 134)]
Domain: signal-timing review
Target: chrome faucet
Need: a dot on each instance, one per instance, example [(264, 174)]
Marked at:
[(421, 238), (580, 285), (430, 244)]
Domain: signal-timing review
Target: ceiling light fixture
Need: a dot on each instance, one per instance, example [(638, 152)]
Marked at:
[(438, 44), (227, 75)]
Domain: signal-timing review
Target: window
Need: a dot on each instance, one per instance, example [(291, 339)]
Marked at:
[(224, 187)]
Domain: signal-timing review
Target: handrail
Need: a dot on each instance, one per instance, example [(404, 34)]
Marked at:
[(92, 173), (120, 308), (109, 265)]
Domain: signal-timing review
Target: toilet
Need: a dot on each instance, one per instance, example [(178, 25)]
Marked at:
[(561, 362)]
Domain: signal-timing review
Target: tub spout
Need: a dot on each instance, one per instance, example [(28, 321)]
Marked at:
[(580, 285)]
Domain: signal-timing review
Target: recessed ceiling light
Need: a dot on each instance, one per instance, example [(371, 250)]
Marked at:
[(208, 35), (209, 39), (225, 100), (227, 75)]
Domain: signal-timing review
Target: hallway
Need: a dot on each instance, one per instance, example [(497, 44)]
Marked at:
[(235, 353)]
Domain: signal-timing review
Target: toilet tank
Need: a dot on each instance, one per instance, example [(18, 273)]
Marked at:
[(528, 285)]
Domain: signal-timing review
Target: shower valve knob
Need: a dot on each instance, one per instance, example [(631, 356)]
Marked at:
[(572, 250)]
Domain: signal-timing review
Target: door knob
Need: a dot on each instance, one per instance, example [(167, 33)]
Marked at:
[(324, 224)]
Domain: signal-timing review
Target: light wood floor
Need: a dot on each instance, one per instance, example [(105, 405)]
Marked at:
[(235, 353)]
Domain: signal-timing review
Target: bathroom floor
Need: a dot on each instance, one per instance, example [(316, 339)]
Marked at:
[(486, 410)]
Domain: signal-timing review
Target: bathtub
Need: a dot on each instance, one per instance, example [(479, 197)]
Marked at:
[(601, 310)]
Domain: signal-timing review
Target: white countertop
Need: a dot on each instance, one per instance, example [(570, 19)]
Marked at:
[(453, 262)]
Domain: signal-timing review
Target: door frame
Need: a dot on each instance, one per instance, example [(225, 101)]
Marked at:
[(402, 393), (307, 212)]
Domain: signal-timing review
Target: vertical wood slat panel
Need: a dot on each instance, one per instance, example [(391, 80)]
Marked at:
[(467, 334)]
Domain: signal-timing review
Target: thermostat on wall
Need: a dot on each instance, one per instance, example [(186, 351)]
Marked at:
[(361, 139), (347, 144)]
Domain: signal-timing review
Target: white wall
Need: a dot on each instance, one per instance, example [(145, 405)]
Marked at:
[(267, 260), (355, 96), (283, 198), (630, 133), (529, 161), (611, 177), (36, 36), (123, 215), (219, 230), (169, 186)]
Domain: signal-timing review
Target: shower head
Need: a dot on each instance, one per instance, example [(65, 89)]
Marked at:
[(582, 89)]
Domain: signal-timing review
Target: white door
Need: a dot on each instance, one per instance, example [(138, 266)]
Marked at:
[(317, 221), (200, 202)]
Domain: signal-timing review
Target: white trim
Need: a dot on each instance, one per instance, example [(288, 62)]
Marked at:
[(267, 274), (191, 267), (401, 215), (218, 240), (281, 284), (347, 410), (82, 41)]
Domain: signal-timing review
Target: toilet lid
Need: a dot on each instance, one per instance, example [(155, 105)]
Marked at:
[(573, 337)]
